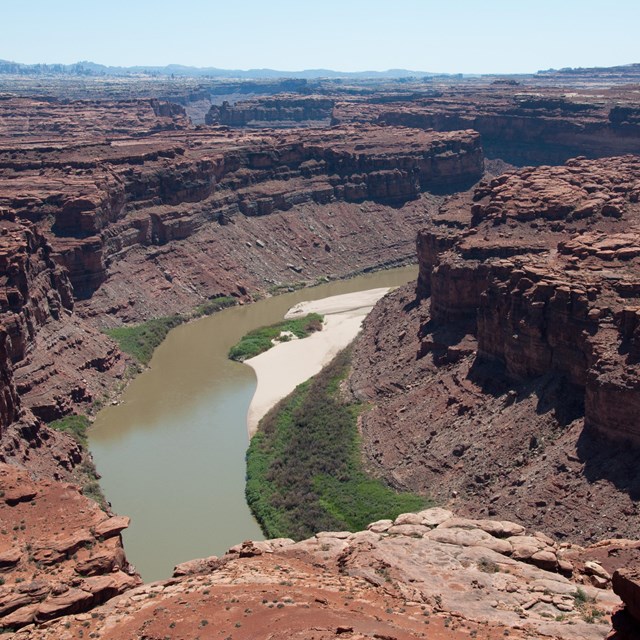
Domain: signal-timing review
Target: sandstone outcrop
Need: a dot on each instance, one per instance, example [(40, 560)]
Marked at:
[(511, 381), (626, 586), (59, 552), (439, 577)]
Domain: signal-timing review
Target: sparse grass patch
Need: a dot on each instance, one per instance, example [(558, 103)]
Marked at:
[(141, 340), (277, 289), (75, 425), (581, 597), (260, 340), (488, 566), (304, 467), (85, 473), (212, 306), (586, 605)]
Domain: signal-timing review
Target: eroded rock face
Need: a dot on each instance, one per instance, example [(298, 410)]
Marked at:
[(41, 337), (59, 552), (116, 211), (530, 330), (522, 125), (49, 118), (428, 574), (97, 202), (512, 380), (9, 401)]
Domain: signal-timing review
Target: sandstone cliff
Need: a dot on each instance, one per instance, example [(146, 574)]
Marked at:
[(59, 552), (522, 125), (161, 219), (48, 351), (510, 380)]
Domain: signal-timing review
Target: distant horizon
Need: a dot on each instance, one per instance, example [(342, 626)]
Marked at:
[(497, 37), (180, 65)]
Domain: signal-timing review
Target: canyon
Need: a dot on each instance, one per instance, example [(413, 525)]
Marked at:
[(504, 383)]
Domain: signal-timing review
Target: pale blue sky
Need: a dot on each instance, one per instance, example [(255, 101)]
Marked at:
[(499, 36)]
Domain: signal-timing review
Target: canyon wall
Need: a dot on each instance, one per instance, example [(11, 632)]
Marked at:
[(145, 193), (162, 219), (49, 352), (507, 385), (33, 291), (508, 380), (544, 302), (519, 124)]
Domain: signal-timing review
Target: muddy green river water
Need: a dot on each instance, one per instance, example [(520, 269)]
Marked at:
[(172, 453)]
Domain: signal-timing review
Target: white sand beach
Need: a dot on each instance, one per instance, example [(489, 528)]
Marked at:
[(281, 369)]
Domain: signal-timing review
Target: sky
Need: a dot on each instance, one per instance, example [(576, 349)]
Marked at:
[(448, 36)]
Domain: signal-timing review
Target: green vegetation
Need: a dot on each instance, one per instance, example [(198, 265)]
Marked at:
[(75, 425), (581, 597), (141, 340), (212, 306), (85, 473), (259, 340), (304, 468), (89, 480), (586, 606), (277, 289)]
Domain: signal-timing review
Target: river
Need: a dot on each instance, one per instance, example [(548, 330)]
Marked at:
[(171, 454)]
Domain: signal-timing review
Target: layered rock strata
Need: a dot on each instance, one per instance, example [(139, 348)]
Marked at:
[(52, 358), (99, 201), (511, 380), (423, 575), (519, 124), (59, 552), (54, 120), (142, 217)]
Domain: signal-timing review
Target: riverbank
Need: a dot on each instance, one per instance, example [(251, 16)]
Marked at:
[(140, 341), (281, 369), (305, 471), (182, 425)]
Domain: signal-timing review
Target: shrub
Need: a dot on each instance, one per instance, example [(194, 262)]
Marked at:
[(75, 425), (261, 340), (304, 467), (212, 306)]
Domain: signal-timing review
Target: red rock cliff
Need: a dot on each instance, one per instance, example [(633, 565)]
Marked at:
[(512, 379), (565, 298), (522, 125)]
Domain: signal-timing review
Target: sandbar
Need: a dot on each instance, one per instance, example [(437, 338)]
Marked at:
[(281, 369)]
